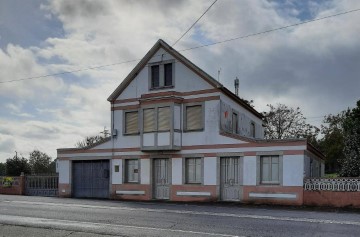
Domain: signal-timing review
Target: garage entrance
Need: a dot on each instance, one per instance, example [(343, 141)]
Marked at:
[(90, 179)]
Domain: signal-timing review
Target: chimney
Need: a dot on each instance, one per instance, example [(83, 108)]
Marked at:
[(236, 82)]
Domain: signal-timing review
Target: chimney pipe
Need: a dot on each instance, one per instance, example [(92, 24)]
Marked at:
[(237, 82)]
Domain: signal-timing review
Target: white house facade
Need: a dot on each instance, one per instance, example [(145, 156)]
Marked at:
[(179, 135)]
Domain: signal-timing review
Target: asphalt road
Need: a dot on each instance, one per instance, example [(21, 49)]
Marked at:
[(41, 216)]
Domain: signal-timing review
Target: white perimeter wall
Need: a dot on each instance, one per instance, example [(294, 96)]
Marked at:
[(64, 171)]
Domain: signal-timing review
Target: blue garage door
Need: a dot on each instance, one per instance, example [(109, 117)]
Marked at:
[(90, 179)]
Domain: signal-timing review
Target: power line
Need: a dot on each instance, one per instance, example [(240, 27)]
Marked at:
[(66, 72), (192, 48), (271, 30), (194, 23)]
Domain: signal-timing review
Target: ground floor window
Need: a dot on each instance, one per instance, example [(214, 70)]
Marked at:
[(193, 170), (131, 171), (270, 169)]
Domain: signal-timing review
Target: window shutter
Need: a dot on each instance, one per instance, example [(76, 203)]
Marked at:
[(194, 117), (131, 122), (164, 119), (149, 122)]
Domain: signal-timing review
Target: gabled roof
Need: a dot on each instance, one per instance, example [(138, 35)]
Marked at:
[(162, 44)]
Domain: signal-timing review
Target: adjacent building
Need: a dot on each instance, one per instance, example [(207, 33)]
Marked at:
[(178, 134)]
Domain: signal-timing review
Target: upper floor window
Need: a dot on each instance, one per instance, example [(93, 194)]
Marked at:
[(161, 75), (155, 76), (235, 123), (156, 119), (131, 124), (168, 75), (252, 129), (193, 117)]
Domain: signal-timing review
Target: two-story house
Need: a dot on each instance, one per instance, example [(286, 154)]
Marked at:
[(180, 135)]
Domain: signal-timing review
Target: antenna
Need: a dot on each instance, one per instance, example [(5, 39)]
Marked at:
[(236, 82)]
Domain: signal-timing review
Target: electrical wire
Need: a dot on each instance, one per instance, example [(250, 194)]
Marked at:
[(271, 30), (193, 24), (187, 49)]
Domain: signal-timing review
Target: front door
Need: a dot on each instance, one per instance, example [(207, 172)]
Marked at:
[(229, 179), (161, 179)]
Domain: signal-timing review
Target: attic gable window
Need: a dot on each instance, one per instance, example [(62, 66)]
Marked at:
[(155, 79), (161, 75)]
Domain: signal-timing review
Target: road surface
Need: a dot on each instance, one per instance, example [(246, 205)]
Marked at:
[(43, 216)]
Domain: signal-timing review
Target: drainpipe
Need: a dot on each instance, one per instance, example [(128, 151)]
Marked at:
[(113, 144)]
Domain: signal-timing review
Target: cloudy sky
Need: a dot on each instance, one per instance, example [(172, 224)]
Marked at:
[(315, 66)]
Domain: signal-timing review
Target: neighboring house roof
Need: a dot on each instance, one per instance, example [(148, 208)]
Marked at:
[(106, 139), (162, 44)]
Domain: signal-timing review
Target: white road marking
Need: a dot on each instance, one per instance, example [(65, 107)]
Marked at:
[(265, 217), (77, 225)]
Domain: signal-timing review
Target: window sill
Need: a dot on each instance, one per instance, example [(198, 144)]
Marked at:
[(194, 130), (129, 182), (131, 134), (161, 88), (193, 184), (269, 184)]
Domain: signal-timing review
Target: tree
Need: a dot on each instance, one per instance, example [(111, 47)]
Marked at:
[(351, 162), (285, 122), (39, 162), (332, 142), (91, 140), (16, 165), (2, 169)]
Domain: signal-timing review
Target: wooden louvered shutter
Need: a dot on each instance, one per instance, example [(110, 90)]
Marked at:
[(131, 122), (194, 117), (149, 120), (164, 119)]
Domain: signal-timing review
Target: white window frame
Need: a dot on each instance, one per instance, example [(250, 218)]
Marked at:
[(187, 178), (126, 171), (124, 122), (271, 182), (161, 75), (202, 127)]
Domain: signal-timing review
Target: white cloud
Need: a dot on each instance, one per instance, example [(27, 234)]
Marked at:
[(314, 66)]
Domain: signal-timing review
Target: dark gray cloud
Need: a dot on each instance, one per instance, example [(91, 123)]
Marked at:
[(83, 8)]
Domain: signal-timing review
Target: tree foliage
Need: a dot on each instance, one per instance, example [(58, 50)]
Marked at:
[(88, 141), (40, 162), (351, 162), (91, 140), (285, 122), (16, 165), (332, 142), (2, 169)]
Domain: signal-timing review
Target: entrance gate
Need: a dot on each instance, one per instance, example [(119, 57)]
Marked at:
[(161, 179), (42, 185)]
